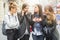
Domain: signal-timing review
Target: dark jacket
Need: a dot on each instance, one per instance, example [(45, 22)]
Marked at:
[(31, 22), (51, 27), (23, 24)]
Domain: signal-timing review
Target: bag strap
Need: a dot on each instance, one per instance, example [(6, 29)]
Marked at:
[(15, 17)]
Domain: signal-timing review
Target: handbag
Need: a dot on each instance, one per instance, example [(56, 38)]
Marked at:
[(3, 28)]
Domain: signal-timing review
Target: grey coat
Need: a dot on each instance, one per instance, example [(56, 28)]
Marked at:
[(23, 24)]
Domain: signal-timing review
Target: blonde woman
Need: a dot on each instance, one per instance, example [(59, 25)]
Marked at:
[(50, 22), (11, 22)]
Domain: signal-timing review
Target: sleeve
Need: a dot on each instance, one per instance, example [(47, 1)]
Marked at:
[(44, 21), (20, 18), (54, 25), (29, 19)]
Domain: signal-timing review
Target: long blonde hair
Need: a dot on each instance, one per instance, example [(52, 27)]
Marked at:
[(50, 18), (50, 13)]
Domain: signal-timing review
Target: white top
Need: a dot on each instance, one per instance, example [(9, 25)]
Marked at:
[(37, 29), (26, 31), (11, 21), (37, 32)]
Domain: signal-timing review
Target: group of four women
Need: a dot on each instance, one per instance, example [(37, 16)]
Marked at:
[(17, 25)]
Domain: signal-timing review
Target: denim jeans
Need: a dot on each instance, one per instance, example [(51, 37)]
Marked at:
[(40, 37)]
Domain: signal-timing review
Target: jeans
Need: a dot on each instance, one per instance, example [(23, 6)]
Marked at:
[(40, 37), (12, 34)]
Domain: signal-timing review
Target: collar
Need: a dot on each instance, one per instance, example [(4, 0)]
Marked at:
[(15, 14)]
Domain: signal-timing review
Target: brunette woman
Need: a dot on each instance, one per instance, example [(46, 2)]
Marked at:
[(37, 23)]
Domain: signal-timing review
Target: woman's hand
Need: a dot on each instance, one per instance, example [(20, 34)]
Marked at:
[(34, 19), (22, 13), (39, 19)]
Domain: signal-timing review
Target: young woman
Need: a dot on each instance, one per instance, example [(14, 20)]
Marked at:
[(11, 22), (25, 26), (50, 23), (37, 23)]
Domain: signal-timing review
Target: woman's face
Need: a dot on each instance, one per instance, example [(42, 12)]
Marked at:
[(36, 9), (14, 9), (26, 8), (46, 10), (48, 17)]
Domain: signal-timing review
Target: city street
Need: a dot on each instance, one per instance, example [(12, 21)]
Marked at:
[(4, 8)]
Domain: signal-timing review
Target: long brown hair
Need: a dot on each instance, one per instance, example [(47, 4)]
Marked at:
[(24, 6), (50, 18), (40, 9)]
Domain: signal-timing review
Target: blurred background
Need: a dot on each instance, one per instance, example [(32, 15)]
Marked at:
[(4, 9)]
